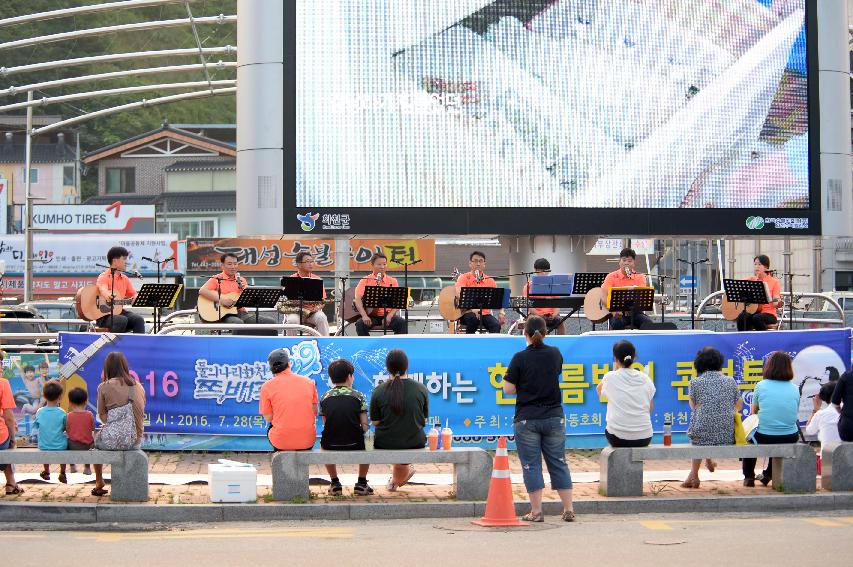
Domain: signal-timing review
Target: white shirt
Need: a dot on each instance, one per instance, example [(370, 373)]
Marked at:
[(629, 394), (824, 424)]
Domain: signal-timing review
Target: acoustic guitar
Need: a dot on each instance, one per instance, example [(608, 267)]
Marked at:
[(351, 314), (731, 311), (211, 312), (91, 306), (448, 304), (595, 306)]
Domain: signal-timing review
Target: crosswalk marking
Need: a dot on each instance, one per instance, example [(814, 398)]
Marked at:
[(823, 522)]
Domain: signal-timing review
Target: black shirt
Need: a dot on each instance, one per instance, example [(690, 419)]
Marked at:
[(405, 431), (342, 408), (535, 371), (843, 395)]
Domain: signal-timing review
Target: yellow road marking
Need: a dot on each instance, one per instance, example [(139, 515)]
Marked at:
[(824, 523), (655, 525), (336, 533), (846, 520)]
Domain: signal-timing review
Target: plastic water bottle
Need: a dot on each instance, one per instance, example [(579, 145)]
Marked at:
[(667, 432), (368, 440)]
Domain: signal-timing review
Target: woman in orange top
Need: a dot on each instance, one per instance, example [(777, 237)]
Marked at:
[(766, 314)]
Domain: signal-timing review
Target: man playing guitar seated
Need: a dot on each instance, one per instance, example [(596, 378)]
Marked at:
[(225, 288), (113, 284), (374, 319), (766, 314), (625, 276), (477, 277), (313, 316), (551, 315)]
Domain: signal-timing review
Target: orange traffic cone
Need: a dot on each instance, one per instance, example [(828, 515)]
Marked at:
[(500, 510)]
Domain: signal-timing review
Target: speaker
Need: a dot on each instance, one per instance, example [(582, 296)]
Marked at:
[(658, 326)]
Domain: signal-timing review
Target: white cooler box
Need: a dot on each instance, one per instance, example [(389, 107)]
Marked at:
[(230, 481)]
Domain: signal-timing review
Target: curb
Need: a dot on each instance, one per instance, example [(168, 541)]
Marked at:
[(205, 513)]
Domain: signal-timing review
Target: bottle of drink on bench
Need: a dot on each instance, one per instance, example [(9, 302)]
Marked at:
[(667, 432)]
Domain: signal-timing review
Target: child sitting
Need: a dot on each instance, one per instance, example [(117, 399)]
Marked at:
[(79, 425), (50, 424), (344, 413)]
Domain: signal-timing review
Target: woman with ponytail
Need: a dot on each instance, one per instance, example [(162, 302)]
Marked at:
[(629, 394), (399, 408), (539, 424)]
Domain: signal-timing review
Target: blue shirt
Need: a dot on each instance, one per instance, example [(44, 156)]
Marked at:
[(50, 424), (778, 402)]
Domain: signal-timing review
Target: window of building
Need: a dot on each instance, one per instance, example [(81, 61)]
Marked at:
[(195, 228), (68, 175), (843, 281), (121, 180), (34, 175)]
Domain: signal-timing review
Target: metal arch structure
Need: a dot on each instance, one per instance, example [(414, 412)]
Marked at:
[(208, 87)]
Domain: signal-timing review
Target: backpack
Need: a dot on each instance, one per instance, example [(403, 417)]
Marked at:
[(119, 432)]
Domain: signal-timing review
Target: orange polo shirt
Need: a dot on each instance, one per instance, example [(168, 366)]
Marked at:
[(227, 284), (7, 401), (619, 279), (774, 289), (541, 310), (290, 399), (468, 279), (123, 287), (312, 276), (370, 281)]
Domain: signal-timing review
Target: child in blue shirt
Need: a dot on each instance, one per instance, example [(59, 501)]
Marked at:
[(50, 424)]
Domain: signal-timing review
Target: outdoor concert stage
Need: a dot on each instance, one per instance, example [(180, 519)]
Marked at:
[(202, 391)]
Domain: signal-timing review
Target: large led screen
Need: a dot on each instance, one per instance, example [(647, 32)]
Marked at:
[(633, 104)]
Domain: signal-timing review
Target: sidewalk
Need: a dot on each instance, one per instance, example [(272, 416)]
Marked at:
[(170, 471)]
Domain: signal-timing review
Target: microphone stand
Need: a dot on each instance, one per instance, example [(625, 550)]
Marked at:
[(662, 302), (406, 285), (342, 322), (112, 288), (693, 264), (790, 278)]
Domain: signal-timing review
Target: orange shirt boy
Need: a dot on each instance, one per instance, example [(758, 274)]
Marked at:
[(291, 400)]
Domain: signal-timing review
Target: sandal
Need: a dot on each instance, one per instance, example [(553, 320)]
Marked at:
[(710, 465), (690, 483), (63, 479), (569, 516), (13, 489), (531, 517), (45, 475), (99, 492), (393, 486)]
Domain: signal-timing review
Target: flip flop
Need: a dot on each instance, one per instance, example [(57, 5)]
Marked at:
[(63, 479), (45, 475), (99, 492), (15, 489)]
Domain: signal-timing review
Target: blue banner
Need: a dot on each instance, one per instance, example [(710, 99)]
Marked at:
[(210, 385)]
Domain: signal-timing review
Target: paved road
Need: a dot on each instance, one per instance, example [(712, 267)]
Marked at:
[(796, 539)]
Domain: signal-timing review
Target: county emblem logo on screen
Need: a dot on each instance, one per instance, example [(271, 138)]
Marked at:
[(308, 221)]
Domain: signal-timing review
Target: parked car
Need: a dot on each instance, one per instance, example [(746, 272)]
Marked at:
[(11, 321), (57, 310)]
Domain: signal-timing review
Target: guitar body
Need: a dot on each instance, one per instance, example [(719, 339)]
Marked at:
[(210, 312), (732, 311), (351, 314), (91, 307), (595, 306), (448, 304)]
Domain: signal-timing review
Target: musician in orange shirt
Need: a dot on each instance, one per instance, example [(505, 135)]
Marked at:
[(230, 282), (766, 314), (374, 319), (315, 316), (114, 283), (542, 267), (625, 276), (477, 277)]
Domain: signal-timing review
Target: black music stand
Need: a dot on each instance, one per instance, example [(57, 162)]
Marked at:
[(378, 297), (585, 281), (158, 296), (747, 292), (479, 298), (302, 290), (561, 286), (257, 297), (631, 299)]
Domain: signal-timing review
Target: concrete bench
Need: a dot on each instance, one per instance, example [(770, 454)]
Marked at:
[(472, 468), (836, 466), (794, 465), (128, 477)]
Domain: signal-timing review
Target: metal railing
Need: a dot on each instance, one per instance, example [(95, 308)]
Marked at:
[(237, 327), (785, 315), (193, 313)]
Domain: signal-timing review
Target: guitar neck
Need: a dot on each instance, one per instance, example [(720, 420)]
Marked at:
[(73, 365)]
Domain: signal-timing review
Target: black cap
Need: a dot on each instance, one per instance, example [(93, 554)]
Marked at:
[(278, 360)]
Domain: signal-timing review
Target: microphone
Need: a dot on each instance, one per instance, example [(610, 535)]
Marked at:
[(137, 274), (147, 259), (628, 271), (239, 281), (379, 277), (479, 275)]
